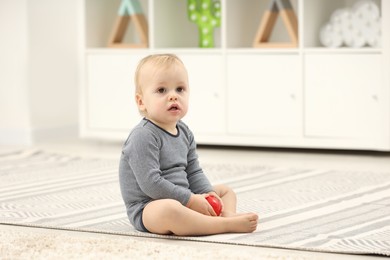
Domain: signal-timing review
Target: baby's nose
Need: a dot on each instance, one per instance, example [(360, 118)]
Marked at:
[(173, 97)]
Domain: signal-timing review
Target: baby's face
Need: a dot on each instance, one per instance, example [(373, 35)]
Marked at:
[(165, 94)]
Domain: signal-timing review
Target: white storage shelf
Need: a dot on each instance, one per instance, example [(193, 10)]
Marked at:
[(306, 97)]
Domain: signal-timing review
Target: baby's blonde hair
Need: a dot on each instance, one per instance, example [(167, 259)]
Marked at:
[(158, 61)]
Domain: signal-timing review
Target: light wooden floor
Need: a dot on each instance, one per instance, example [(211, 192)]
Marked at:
[(347, 160)]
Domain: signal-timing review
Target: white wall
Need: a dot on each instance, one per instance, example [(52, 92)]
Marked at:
[(53, 65), (15, 124), (38, 70)]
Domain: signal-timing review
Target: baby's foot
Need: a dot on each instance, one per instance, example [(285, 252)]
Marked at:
[(244, 223)]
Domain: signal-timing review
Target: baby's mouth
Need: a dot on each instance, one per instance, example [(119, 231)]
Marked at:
[(173, 108)]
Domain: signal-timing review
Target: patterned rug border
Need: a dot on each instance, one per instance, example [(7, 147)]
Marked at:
[(192, 238)]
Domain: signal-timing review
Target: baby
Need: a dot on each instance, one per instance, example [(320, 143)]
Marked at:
[(162, 184)]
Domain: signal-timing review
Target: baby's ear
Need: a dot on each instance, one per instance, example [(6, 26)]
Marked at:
[(140, 102)]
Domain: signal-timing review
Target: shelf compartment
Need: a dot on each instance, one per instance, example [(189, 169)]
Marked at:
[(173, 29), (337, 103), (100, 17), (243, 20), (264, 95), (317, 13)]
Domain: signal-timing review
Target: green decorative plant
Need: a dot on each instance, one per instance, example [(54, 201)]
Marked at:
[(207, 15)]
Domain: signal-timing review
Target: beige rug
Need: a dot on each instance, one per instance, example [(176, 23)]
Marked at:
[(57, 246)]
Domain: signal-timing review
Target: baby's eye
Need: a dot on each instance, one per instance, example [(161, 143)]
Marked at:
[(161, 90), (180, 89)]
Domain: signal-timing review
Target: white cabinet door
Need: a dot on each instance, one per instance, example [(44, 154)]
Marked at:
[(264, 94), (206, 114), (110, 92), (342, 95)]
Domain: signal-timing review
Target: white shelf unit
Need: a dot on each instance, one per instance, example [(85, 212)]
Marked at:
[(305, 97)]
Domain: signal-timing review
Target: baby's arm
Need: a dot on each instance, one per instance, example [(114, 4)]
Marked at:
[(199, 184)]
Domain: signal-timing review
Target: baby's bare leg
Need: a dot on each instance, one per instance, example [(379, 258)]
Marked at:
[(169, 216), (229, 199)]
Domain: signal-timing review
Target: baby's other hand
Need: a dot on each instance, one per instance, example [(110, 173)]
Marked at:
[(199, 203)]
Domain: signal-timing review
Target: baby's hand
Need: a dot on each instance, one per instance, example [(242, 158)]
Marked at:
[(199, 203), (215, 195)]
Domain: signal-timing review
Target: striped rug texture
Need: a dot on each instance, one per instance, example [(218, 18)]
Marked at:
[(304, 209)]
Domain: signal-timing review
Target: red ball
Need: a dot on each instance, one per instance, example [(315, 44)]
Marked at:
[(215, 203)]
